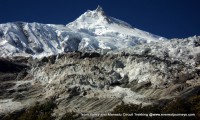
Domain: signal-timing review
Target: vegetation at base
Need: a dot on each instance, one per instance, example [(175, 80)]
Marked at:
[(176, 106), (37, 112), (70, 116), (195, 105)]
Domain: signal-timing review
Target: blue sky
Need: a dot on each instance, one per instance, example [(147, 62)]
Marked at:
[(167, 18)]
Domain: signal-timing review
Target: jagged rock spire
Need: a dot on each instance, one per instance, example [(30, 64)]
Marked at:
[(99, 9)]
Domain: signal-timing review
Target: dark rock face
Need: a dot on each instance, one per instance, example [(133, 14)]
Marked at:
[(44, 59), (52, 59), (92, 55), (11, 71), (84, 55), (7, 76), (38, 49), (7, 66), (74, 91), (72, 44), (197, 43), (22, 75), (5, 86), (89, 55), (29, 51), (118, 64)]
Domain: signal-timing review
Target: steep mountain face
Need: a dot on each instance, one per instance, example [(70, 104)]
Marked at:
[(92, 65), (92, 31)]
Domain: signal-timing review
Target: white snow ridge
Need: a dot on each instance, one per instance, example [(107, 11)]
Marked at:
[(92, 31)]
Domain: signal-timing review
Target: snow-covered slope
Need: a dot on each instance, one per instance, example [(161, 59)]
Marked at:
[(92, 31), (33, 39), (110, 33)]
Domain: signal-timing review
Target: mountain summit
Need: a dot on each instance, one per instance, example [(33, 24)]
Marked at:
[(92, 31), (99, 9), (109, 32)]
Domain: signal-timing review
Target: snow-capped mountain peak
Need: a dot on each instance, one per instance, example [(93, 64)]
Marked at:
[(99, 9), (90, 18), (92, 31), (100, 12), (108, 32), (96, 17)]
